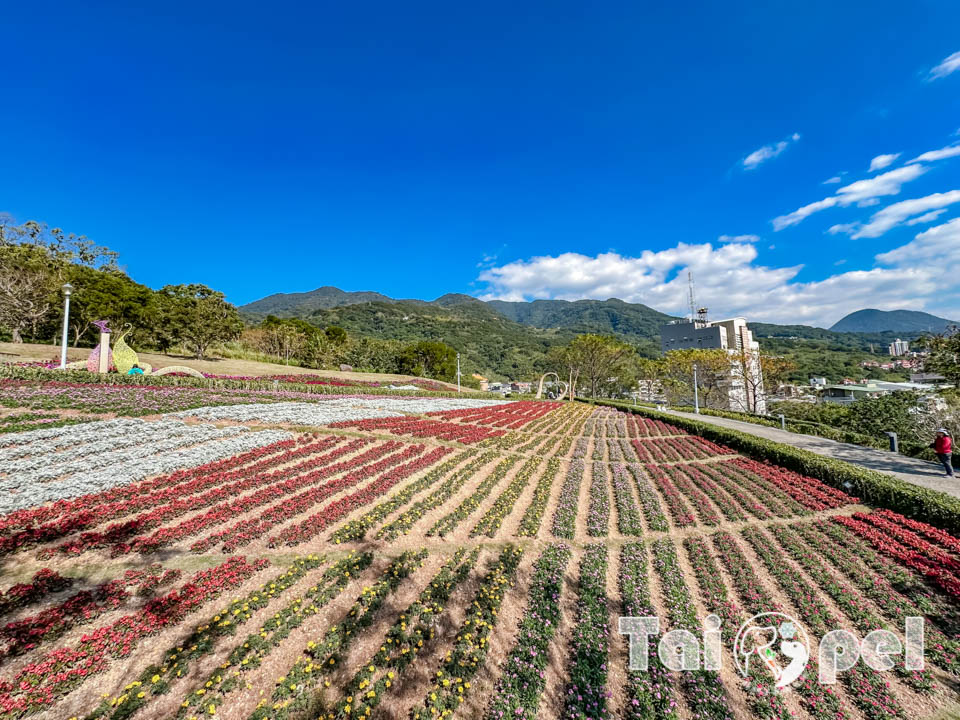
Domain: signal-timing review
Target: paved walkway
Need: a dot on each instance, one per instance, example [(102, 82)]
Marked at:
[(919, 472)]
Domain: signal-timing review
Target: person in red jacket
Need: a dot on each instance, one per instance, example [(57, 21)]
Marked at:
[(943, 447)]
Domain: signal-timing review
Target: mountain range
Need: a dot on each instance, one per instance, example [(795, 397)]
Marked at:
[(511, 339)]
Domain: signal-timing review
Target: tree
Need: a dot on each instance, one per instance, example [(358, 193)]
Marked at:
[(776, 370), (335, 334), (599, 359), (944, 354), (34, 263), (429, 358), (105, 295), (713, 375), (895, 412), (198, 316)]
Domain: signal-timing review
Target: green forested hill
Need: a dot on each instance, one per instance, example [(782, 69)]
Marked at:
[(511, 339), (494, 344), (604, 316)]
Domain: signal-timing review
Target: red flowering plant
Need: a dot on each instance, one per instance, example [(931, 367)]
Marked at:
[(121, 535), (226, 511), (335, 511), (45, 582), (139, 492), (38, 685)]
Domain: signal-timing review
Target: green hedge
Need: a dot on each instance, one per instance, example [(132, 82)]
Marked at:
[(804, 427), (872, 487), (17, 372)]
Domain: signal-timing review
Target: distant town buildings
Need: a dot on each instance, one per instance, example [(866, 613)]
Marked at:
[(743, 386), (906, 362), (899, 347)]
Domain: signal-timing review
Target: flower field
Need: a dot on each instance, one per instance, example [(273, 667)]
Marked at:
[(187, 552)]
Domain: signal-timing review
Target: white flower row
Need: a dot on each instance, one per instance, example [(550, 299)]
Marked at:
[(424, 405), (14, 445), (134, 464), (291, 412), (331, 411), (88, 441), (149, 442)]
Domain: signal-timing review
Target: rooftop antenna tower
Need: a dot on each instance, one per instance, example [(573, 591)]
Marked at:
[(693, 304)]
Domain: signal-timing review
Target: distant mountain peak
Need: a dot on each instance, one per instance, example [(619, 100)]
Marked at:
[(305, 303), (871, 320)]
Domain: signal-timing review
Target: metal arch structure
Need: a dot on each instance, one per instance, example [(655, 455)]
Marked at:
[(559, 382)]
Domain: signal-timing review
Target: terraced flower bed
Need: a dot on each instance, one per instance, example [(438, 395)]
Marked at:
[(406, 558)]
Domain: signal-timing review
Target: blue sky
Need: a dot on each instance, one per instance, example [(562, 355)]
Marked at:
[(513, 150)]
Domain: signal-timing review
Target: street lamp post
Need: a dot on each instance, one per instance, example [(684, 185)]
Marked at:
[(696, 393), (67, 289), (458, 372)]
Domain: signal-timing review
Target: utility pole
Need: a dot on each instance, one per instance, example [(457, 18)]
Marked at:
[(458, 372), (696, 393)]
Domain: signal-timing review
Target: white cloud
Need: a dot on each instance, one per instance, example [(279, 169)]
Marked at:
[(835, 180), (898, 213), (915, 276), (948, 65), (926, 217), (862, 192), (941, 154), (738, 238), (843, 228), (882, 161), (767, 152), (938, 247)]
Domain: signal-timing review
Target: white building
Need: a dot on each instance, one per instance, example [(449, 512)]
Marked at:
[(899, 347), (744, 385)]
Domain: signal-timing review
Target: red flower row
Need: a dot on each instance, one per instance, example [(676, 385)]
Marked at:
[(177, 496), (911, 539), (247, 530), (333, 512), (418, 427), (674, 449), (778, 502), (27, 632), (38, 685), (43, 583), (808, 491), (120, 535), (512, 416), (704, 509), (229, 510), (638, 426), (27, 517), (679, 510), (914, 559), (712, 483), (730, 508), (940, 537)]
